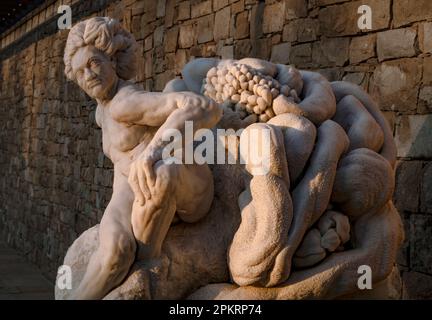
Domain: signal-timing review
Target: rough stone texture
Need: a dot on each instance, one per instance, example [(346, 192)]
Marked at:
[(201, 8), (395, 84), (417, 285), (273, 17), (186, 36), (295, 9), (412, 137), (242, 25), (406, 11), (281, 53), (407, 173), (205, 27), (425, 37), (331, 51), (184, 10), (222, 25), (362, 48), (396, 43), (420, 244), (45, 120), (426, 190), (340, 20)]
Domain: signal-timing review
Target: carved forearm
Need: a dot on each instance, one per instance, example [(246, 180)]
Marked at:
[(202, 112)]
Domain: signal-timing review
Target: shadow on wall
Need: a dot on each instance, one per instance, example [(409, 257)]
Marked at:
[(414, 136)]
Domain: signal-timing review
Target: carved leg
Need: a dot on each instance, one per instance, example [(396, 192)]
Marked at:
[(185, 189), (116, 252)]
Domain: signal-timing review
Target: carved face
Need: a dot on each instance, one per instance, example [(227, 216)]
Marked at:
[(94, 72)]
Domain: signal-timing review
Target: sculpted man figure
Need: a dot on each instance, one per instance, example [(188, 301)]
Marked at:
[(147, 193)]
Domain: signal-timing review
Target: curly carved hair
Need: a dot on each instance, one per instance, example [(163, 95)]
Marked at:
[(107, 35)]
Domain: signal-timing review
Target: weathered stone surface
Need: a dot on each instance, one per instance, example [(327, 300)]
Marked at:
[(426, 189), (222, 24), (219, 4), (301, 30), (181, 58), (301, 55), (237, 6), (227, 52), (407, 189), (331, 51), (358, 78), (362, 48), (242, 48), (171, 37), (395, 84), (413, 134), (160, 8), (289, 33), (396, 43), (184, 10), (406, 11), (186, 36), (425, 100), (158, 36), (281, 53), (403, 254), (205, 26), (273, 17), (420, 244), (161, 79), (427, 71), (201, 8), (425, 36), (241, 25), (327, 2), (295, 9), (170, 11), (340, 20), (417, 285)]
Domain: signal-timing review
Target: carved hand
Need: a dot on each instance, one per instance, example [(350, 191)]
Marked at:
[(142, 175)]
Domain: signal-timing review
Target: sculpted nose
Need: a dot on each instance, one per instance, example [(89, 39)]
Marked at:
[(88, 74)]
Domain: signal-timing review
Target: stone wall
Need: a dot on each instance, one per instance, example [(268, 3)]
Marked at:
[(56, 181)]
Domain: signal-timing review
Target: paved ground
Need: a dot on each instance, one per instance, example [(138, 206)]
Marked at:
[(19, 279)]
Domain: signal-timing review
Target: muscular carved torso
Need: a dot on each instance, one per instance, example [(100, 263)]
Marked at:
[(122, 142)]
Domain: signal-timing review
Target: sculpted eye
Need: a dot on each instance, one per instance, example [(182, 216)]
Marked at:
[(94, 62)]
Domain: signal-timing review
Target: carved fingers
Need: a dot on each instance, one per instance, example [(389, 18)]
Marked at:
[(142, 175)]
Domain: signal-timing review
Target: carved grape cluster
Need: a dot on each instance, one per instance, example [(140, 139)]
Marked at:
[(245, 90)]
